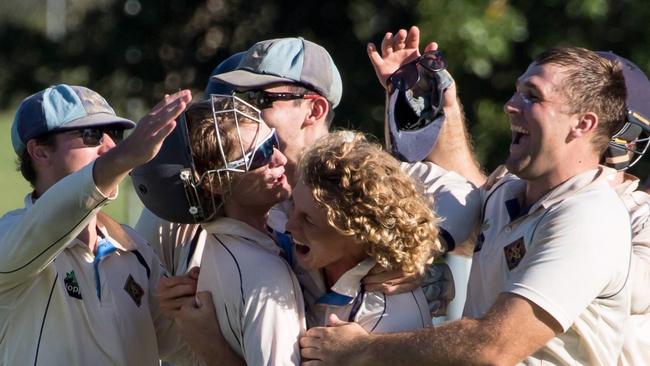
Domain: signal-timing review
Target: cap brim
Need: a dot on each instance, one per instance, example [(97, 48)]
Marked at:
[(244, 80), (98, 120), (411, 145)]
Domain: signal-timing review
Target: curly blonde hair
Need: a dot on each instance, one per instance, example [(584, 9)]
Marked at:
[(369, 197)]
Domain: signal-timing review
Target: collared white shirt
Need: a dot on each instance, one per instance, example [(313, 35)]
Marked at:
[(60, 304), (374, 311), (636, 348), (257, 297), (568, 253)]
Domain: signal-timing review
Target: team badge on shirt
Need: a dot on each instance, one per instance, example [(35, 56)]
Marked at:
[(514, 253), (134, 290), (71, 285)]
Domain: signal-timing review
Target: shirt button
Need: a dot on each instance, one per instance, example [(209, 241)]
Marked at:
[(508, 230)]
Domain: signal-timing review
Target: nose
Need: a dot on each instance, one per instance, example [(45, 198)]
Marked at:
[(292, 226), (106, 145), (278, 158), (512, 105)]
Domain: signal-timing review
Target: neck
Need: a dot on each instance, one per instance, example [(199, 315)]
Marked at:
[(539, 186), (88, 234), (335, 270), (255, 216)]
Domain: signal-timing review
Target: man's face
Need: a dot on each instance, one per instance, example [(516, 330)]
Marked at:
[(540, 121), (262, 186), (288, 117), (71, 153)]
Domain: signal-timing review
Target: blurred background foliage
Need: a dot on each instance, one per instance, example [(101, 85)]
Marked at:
[(135, 51)]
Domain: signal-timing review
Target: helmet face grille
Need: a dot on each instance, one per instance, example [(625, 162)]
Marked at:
[(630, 143)]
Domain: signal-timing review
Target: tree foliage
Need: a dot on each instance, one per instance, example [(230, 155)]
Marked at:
[(135, 51)]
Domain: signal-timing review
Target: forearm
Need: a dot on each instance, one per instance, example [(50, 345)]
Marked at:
[(110, 169), (453, 151), (33, 237), (214, 350), (457, 343)]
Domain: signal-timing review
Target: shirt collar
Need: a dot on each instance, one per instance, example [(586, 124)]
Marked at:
[(586, 180), (233, 227), (349, 284)]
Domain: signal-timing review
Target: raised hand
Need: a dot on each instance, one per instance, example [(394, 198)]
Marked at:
[(142, 144), (150, 132), (396, 50)]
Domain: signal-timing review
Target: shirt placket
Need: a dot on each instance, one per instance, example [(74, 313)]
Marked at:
[(104, 249)]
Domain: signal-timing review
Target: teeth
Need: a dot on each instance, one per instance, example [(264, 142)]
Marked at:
[(519, 129)]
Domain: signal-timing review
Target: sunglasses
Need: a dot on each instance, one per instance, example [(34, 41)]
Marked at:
[(408, 75), (92, 137), (263, 99), (260, 156)]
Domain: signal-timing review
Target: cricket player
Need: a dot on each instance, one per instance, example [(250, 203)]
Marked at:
[(548, 279), (76, 288)]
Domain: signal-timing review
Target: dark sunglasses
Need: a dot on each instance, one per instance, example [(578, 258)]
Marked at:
[(260, 156), (92, 137), (408, 75), (263, 99)]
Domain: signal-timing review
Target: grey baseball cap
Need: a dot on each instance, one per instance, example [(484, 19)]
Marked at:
[(287, 60), (59, 108)]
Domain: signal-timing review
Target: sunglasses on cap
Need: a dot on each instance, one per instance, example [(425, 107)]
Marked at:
[(260, 156), (263, 99), (420, 75), (92, 137)]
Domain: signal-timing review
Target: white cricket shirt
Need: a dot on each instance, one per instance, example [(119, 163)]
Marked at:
[(569, 253), (257, 297)]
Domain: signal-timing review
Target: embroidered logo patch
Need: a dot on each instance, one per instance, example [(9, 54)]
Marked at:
[(71, 285), (514, 253), (134, 290)]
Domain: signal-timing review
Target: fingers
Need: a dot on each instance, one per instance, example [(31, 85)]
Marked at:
[(413, 37), (399, 40), (373, 55), (381, 277), (204, 301), (334, 321), (171, 288), (194, 273), (433, 46), (387, 44)]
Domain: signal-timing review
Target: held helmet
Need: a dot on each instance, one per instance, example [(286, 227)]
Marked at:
[(631, 141)]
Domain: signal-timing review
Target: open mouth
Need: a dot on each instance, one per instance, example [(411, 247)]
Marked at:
[(301, 249), (518, 133)]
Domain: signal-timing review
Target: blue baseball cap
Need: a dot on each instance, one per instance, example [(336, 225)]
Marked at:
[(59, 108), (229, 64), (287, 60)]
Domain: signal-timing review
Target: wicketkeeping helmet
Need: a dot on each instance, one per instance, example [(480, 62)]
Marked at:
[(631, 141)]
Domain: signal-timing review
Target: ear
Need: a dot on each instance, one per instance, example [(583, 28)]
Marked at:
[(40, 154), (318, 111), (585, 125)]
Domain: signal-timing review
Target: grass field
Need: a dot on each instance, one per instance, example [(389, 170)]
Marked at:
[(13, 187)]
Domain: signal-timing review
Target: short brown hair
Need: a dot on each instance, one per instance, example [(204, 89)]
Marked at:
[(593, 84), (24, 162), (205, 147), (367, 196)]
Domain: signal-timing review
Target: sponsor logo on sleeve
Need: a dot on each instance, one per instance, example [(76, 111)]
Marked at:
[(134, 290), (514, 253)]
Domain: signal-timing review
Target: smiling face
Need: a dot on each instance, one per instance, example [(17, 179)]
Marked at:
[(540, 121), (257, 189), (317, 243), (266, 185), (291, 119)]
